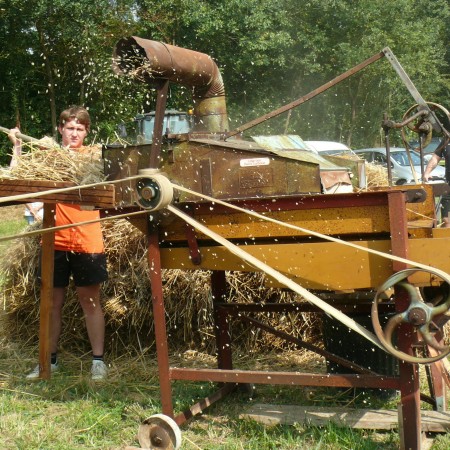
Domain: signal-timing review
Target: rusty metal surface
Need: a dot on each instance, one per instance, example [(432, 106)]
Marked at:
[(155, 154), (409, 373), (154, 261), (288, 378), (151, 61), (288, 153), (224, 172), (244, 173), (342, 214), (363, 219), (239, 173)]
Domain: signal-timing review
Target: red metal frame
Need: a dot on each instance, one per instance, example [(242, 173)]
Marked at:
[(407, 382)]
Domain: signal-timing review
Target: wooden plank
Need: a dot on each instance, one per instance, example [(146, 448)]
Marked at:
[(99, 196), (432, 421), (421, 223), (46, 303)]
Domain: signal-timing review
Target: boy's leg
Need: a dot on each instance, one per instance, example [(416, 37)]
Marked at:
[(89, 297)]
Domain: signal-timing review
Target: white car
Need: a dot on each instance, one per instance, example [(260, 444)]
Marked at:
[(327, 147), (401, 168)]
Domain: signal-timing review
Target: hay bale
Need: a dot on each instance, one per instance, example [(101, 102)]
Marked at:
[(81, 167), (127, 300), (127, 293)]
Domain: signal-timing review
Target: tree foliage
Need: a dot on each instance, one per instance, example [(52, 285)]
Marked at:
[(270, 52)]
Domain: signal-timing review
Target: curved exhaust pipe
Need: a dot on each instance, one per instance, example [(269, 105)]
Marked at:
[(151, 62)]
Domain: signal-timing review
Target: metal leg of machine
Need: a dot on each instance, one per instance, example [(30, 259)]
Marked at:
[(159, 321), (409, 416), (223, 338)]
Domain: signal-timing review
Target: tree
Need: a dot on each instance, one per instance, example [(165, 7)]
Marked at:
[(336, 36), (58, 54), (270, 52)]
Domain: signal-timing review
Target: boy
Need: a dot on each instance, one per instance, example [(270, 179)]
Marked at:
[(79, 252)]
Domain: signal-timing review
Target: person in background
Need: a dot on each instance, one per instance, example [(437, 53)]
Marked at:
[(79, 253), (33, 211), (442, 151)]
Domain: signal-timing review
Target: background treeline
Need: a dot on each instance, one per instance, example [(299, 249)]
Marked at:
[(55, 53)]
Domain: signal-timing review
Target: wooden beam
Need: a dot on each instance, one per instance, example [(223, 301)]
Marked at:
[(46, 303), (432, 421), (100, 196)]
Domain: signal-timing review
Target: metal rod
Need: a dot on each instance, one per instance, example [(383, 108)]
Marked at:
[(388, 155), (287, 378), (433, 119), (306, 97), (162, 349), (198, 407), (409, 374), (155, 155), (221, 325), (303, 344)]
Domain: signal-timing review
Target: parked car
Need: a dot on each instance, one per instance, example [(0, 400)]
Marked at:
[(401, 168), (327, 147), (429, 149)]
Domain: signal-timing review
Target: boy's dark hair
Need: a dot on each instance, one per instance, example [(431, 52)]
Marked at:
[(75, 112)]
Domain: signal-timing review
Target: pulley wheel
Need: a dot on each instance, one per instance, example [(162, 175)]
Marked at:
[(427, 318), (154, 191), (159, 432), (423, 126)]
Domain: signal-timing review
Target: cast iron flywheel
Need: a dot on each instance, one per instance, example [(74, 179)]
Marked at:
[(426, 317)]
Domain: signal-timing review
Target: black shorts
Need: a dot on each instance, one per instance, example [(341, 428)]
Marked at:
[(86, 269), (445, 206)]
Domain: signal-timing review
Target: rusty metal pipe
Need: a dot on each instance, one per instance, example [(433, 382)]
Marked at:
[(151, 62)]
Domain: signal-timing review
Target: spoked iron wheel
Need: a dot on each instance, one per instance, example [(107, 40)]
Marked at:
[(426, 317)]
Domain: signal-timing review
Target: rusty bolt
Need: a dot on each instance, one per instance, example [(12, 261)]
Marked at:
[(417, 316), (148, 193)]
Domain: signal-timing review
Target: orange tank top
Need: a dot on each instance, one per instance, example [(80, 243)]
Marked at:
[(83, 239)]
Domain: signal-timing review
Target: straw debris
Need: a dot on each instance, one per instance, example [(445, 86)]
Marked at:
[(81, 167), (376, 174), (127, 300), (127, 294)]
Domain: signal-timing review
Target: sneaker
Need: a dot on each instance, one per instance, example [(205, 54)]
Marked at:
[(98, 370), (34, 374)]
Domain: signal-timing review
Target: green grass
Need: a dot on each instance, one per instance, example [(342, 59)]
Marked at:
[(10, 228), (71, 412)]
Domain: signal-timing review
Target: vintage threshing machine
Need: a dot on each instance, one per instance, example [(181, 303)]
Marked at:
[(217, 202)]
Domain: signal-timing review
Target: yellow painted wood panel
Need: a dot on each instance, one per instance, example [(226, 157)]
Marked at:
[(320, 266)]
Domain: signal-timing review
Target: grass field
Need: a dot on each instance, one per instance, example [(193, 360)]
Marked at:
[(72, 412), (11, 222)]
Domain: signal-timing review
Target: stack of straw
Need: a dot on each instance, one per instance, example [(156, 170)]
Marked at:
[(127, 300), (127, 293), (81, 167)]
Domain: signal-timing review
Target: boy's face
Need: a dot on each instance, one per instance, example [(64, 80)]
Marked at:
[(73, 134)]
